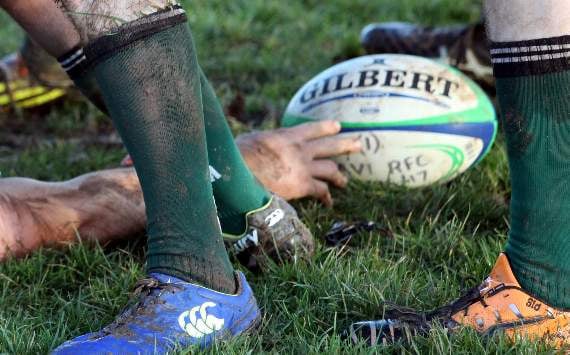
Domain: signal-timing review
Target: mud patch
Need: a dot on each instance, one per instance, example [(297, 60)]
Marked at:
[(98, 207), (518, 136), (26, 227), (93, 18), (95, 185)]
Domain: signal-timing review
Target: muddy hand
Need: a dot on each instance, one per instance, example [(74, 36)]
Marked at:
[(296, 162)]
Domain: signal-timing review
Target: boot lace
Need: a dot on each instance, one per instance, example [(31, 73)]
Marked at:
[(147, 293)]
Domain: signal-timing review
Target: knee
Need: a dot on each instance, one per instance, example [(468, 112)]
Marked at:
[(96, 18)]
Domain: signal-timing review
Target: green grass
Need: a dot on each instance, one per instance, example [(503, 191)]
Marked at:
[(443, 239)]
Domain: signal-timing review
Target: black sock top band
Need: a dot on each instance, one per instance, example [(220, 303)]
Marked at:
[(533, 57), (73, 62), (105, 46), (69, 54)]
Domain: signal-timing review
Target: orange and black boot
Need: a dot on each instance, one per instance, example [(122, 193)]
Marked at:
[(498, 305)]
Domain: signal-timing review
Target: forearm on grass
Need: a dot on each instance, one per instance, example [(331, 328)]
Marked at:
[(102, 206)]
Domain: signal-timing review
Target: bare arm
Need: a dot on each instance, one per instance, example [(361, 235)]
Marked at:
[(105, 205), (108, 205)]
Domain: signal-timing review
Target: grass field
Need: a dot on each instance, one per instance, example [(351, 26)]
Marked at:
[(443, 239)]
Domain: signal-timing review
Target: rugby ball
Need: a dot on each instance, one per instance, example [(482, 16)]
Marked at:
[(420, 122)]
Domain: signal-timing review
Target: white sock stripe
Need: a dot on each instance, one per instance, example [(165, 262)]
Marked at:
[(80, 59), (542, 48), (72, 58), (532, 58), (74, 64)]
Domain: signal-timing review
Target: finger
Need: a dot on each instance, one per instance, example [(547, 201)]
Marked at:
[(320, 191), (333, 146), (328, 170), (313, 130)]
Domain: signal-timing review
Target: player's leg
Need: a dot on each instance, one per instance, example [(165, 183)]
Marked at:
[(528, 291), (147, 70), (236, 190), (530, 50), (156, 121), (52, 30), (60, 38), (256, 224), (244, 205)]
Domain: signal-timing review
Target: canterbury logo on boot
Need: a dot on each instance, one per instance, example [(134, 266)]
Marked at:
[(275, 217), (250, 240), (204, 325)]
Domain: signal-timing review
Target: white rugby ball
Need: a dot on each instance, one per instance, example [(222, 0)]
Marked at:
[(420, 121)]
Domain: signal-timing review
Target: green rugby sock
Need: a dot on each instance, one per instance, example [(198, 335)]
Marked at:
[(534, 95), (149, 76), (236, 190)]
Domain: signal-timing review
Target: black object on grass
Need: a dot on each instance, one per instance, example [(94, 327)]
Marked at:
[(341, 232)]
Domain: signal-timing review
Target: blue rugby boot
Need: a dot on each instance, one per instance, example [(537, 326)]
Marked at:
[(171, 313)]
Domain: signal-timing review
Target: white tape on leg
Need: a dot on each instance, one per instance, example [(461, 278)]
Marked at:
[(94, 18), (523, 20)]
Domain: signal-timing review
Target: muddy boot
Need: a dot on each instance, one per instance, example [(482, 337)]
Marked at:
[(463, 46), (169, 315), (498, 306), (276, 233)]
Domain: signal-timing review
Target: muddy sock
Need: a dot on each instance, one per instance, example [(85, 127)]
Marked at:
[(236, 190), (533, 84), (149, 76)]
